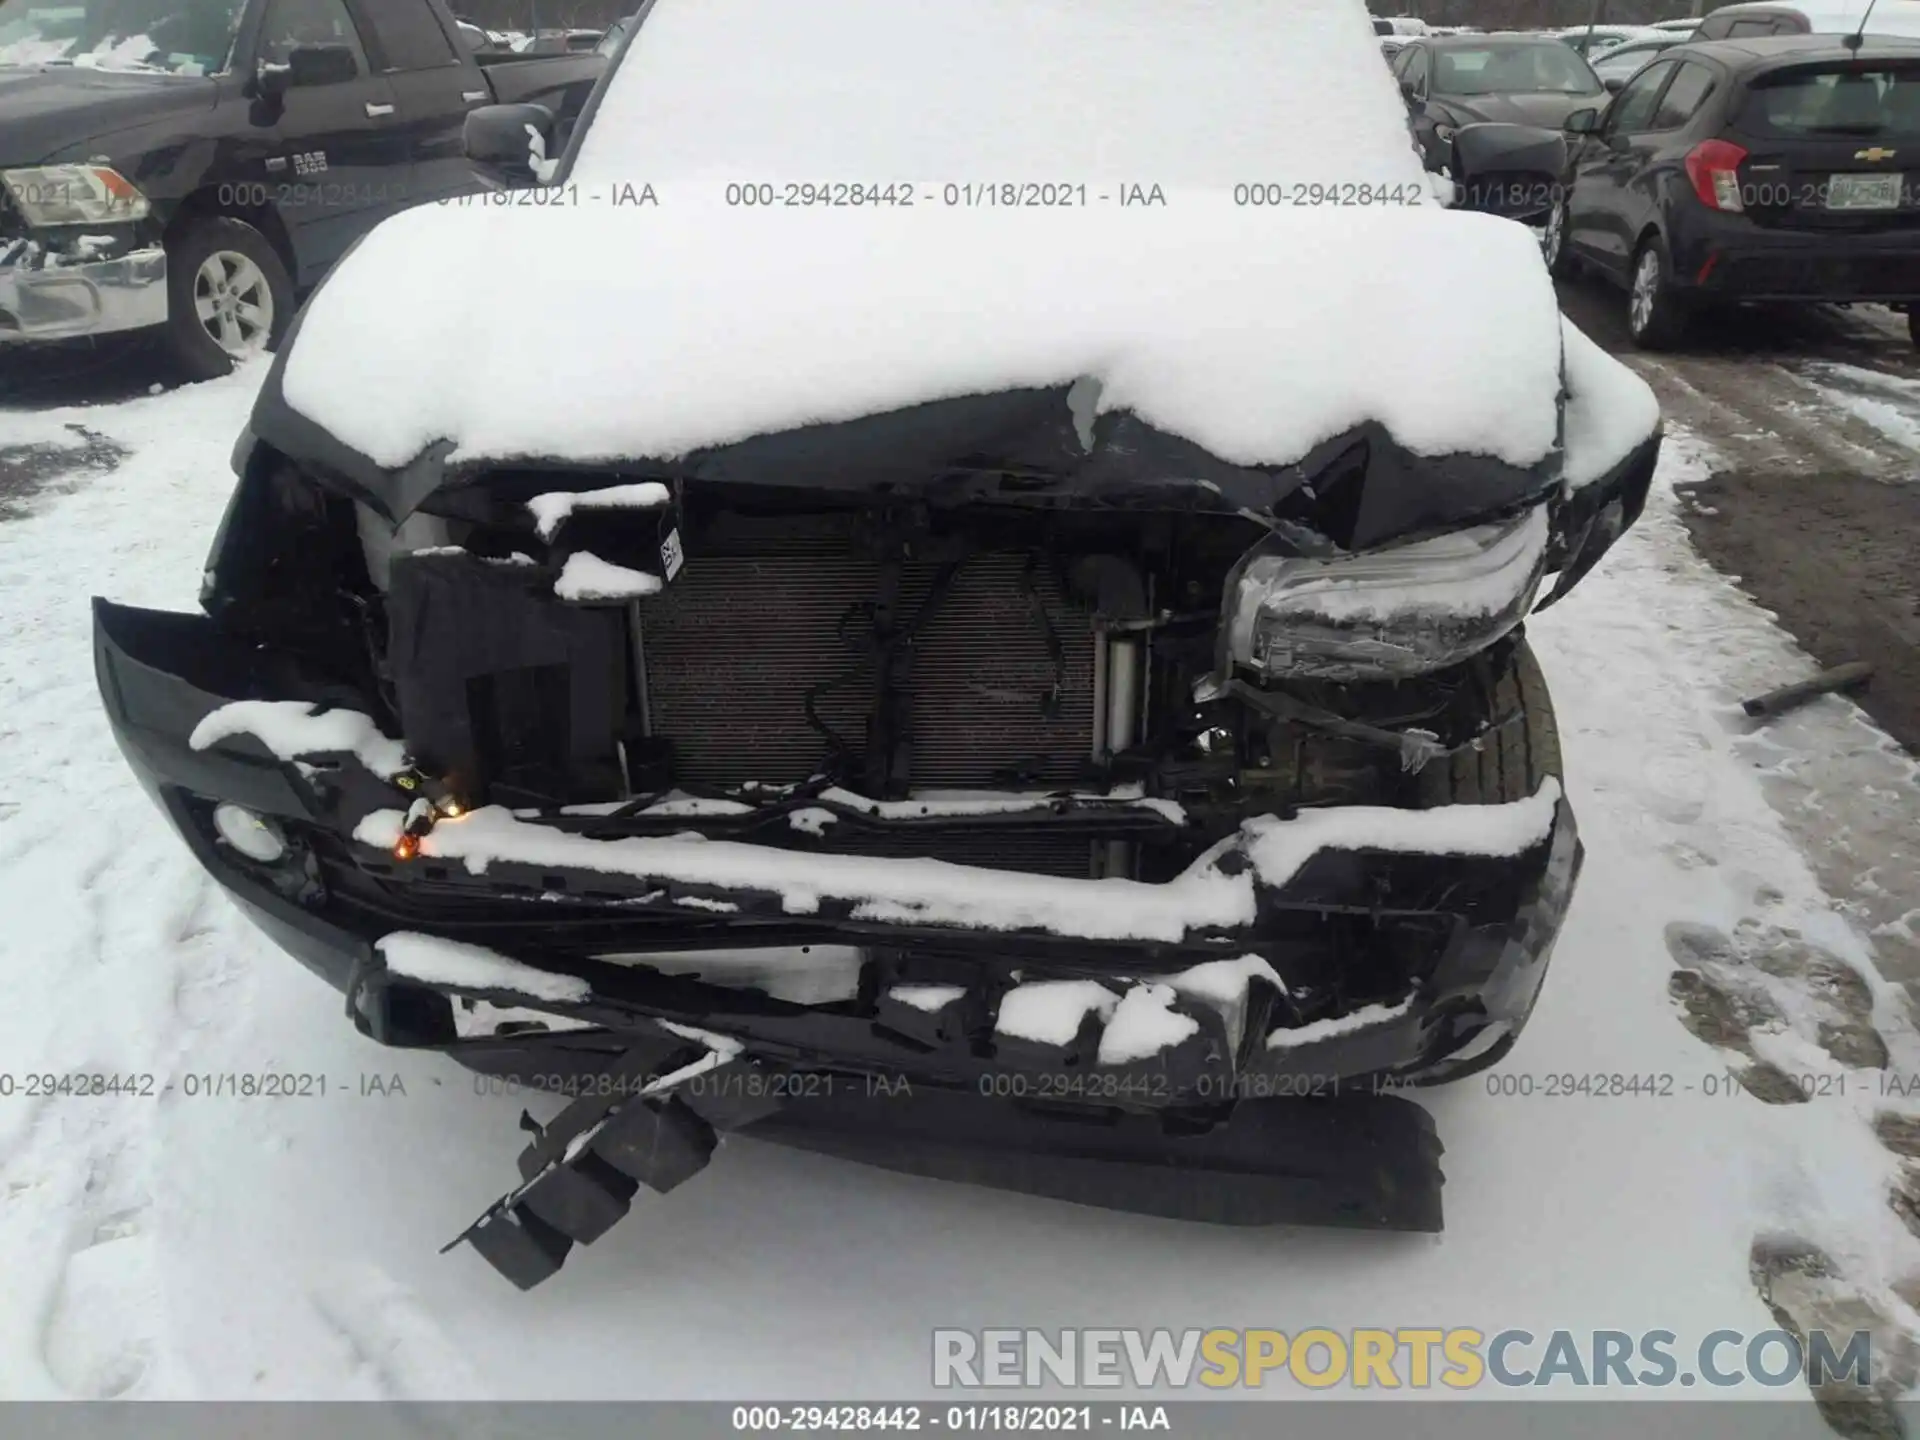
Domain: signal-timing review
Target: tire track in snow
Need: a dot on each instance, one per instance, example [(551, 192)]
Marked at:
[(1889, 404), (1764, 416)]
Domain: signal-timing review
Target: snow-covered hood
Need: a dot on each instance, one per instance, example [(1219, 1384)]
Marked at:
[(1088, 213), (1253, 333)]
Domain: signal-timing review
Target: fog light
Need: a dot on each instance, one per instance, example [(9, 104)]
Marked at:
[(254, 837)]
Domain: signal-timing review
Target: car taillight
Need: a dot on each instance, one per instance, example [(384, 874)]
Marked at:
[(1714, 168)]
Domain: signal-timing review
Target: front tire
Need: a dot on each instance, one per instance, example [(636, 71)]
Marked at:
[(1514, 759), (1511, 764), (1553, 245), (1656, 318), (229, 297)]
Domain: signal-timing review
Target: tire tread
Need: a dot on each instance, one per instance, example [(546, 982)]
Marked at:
[(1511, 765)]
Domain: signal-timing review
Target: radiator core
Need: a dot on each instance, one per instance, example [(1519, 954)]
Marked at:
[(737, 640)]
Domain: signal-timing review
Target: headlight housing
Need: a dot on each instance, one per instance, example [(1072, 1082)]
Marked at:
[(1387, 614), (74, 195)]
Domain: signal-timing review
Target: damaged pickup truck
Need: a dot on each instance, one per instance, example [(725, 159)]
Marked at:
[(1080, 737)]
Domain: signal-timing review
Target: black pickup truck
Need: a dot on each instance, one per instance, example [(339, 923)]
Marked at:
[(196, 165)]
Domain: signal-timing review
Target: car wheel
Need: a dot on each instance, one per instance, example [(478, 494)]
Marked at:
[(1528, 751), (1553, 244), (1654, 315), (1913, 324), (228, 297), (1501, 771)]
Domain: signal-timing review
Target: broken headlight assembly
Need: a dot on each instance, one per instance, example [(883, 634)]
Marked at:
[(1386, 614), (51, 195)]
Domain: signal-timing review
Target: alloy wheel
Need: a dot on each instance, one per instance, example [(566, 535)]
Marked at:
[(1554, 241), (234, 302), (1646, 290)]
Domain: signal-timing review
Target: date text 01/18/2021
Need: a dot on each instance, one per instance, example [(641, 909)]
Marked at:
[(785, 1084), (968, 195), (196, 1084), (1067, 1419), (1710, 1084)]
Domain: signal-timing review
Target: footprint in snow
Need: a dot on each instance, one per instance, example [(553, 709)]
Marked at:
[(1806, 1292), (100, 1338), (1901, 1135), (1771, 979), (393, 1338)]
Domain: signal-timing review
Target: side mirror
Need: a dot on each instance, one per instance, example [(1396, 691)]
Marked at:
[(1615, 84), (1583, 122), (1409, 90), (510, 140), (307, 65)]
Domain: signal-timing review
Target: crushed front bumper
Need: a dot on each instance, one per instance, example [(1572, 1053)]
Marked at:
[(1252, 1084), (64, 301), (1456, 910)]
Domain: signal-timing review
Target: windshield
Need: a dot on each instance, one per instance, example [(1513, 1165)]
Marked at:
[(1551, 68), (1870, 102), (159, 37)]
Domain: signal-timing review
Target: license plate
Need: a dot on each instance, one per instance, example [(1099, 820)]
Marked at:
[(1864, 192)]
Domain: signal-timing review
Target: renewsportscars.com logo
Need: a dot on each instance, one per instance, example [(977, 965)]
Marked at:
[(1393, 1359)]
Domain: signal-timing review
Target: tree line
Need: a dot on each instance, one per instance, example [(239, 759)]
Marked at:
[(1486, 14), (1538, 14), (553, 14)]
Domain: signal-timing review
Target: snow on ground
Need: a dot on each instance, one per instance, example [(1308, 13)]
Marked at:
[(1891, 404), (189, 1244)]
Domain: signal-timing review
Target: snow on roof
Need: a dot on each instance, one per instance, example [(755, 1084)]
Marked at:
[(1186, 92), (1256, 331), (1842, 17)]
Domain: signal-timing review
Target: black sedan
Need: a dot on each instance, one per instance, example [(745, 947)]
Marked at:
[(1780, 168), (1452, 81)]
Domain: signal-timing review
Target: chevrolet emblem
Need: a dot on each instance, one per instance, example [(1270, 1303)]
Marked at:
[(1876, 153)]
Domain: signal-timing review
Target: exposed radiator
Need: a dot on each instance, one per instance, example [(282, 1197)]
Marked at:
[(736, 641)]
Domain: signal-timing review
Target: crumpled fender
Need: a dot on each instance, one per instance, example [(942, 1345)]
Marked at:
[(1610, 439)]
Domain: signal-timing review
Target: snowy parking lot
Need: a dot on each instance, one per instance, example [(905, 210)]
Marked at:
[(950, 610), (1743, 937)]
